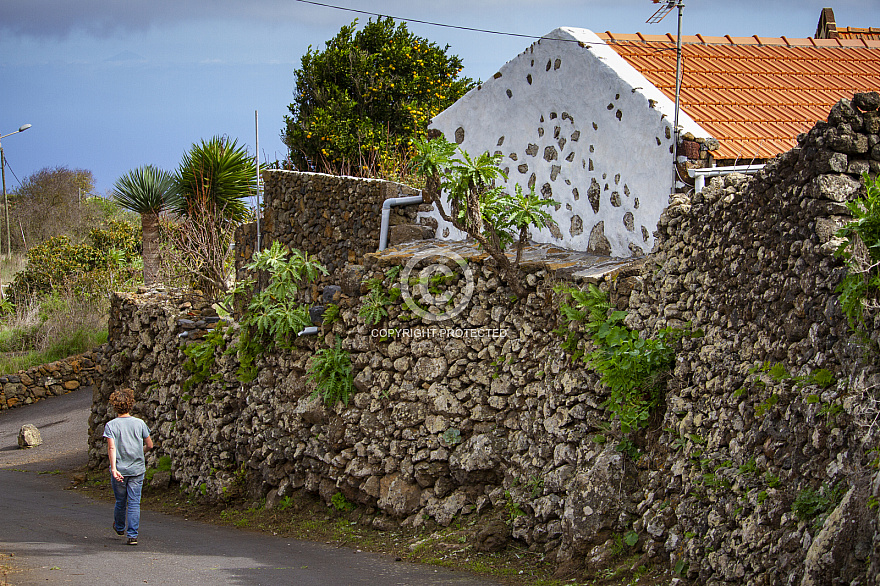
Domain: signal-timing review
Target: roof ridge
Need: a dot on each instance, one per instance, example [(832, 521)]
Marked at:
[(730, 41)]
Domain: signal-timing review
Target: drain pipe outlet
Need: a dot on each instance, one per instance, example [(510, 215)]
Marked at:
[(700, 174), (309, 331), (386, 215)]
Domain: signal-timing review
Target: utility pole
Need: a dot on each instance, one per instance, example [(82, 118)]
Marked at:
[(259, 207)]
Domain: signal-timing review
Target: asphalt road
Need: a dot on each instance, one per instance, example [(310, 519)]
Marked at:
[(61, 537)]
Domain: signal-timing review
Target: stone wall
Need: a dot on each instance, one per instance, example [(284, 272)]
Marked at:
[(335, 218), (446, 426), (47, 380)]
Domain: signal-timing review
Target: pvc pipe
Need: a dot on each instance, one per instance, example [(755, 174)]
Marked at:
[(701, 174), (309, 331), (386, 215)]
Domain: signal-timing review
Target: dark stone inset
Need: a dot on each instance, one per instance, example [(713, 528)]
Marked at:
[(532, 180), (532, 150), (617, 114), (567, 116), (615, 199), (574, 192), (546, 190), (645, 234), (599, 244), (610, 106), (616, 96), (575, 136), (509, 94), (556, 132), (529, 78), (617, 179), (498, 153), (540, 132), (549, 64), (445, 232), (523, 168), (591, 165), (636, 203), (557, 64), (625, 189), (561, 143), (554, 172), (636, 250), (659, 142), (550, 154), (577, 226), (459, 135), (629, 221), (592, 148), (542, 118), (513, 156), (570, 157), (497, 75), (593, 194), (553, 115), (500, 141), (595, 126), (668, 133)]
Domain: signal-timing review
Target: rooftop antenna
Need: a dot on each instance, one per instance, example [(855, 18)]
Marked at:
[(655, 18)]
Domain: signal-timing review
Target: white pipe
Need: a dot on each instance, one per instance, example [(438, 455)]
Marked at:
[(701, 174), (386, 215), (309, 331)]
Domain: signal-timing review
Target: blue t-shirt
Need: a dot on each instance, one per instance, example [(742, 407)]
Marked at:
[(128, 434)]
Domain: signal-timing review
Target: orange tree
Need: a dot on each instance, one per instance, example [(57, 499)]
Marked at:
[(360, 100)]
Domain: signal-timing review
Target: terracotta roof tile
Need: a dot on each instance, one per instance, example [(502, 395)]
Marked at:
[(755, 94)]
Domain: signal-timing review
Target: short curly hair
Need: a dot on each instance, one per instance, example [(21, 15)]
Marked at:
[(122, 401)]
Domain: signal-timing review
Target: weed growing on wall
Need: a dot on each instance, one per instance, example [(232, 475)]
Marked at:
[(633, 368), (860, 289), (332, 374), (201, 356)]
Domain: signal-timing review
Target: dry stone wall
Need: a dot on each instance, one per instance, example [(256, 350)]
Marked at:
[(52, 379), (443, 426)]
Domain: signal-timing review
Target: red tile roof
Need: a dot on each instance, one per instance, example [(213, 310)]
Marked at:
[(755, 94)]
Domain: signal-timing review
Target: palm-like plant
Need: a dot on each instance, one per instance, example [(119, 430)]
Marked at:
[(147, 191), (217, 173)]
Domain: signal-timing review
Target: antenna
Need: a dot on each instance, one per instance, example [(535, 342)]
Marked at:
[(661, 12), (655, 18)]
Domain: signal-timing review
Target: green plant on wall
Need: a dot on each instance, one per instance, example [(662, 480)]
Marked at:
[(631, 367), (332, 374), (860, 249), (200, 356)]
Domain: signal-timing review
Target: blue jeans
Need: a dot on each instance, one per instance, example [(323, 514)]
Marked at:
[(127, 511)]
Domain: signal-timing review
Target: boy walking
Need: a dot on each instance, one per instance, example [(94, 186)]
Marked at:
[(127, 438)]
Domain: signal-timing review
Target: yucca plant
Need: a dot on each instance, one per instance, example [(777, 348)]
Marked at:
[(219, 172), (147, 191)]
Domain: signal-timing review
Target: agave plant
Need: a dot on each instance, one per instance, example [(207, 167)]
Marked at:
[(220, 174), (147, 191)]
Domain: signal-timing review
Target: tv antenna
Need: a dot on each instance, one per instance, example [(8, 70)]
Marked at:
[(661, 12)]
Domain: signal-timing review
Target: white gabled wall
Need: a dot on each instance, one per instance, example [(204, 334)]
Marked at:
[(573, 117)]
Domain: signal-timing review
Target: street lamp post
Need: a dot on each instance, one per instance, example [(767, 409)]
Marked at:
[(5, 200)]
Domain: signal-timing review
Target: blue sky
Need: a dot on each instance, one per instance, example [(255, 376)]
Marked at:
[(110, 85)]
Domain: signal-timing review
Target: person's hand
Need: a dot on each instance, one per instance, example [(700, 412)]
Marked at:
[(117, 476)]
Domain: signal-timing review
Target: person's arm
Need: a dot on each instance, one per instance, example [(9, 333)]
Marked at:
[(111, 453), (148, 443)]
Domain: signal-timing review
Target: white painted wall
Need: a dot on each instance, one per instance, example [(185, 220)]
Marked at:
[(573, 94)]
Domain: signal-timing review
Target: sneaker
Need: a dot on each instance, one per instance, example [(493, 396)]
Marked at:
[(132, 541), (118, 532)]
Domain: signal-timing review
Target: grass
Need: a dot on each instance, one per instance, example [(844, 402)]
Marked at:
[(49, 329)]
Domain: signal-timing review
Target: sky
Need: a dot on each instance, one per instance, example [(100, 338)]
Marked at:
[(111, 85)]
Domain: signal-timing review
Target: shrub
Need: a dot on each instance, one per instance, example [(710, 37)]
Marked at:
[(332, 374)]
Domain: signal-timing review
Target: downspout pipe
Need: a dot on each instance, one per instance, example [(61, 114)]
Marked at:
[(309, 331), (386, 215), (700, 174)]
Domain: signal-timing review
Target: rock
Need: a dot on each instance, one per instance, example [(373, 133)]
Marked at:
[(492, 537), (398, 497), (408, 233), (161, 479), (29, 436)]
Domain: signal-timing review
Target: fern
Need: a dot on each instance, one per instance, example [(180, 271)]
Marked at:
[(332, 374)]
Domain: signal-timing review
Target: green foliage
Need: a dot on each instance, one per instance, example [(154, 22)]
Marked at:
[(766, 405), (340, 503), (274, 312), (332, 374), (861, 250), (216, 172), (362, 98), (201, 356), (51, 263), (632, 367), (145, 190), (749, 467), (331, 314), (117, 235), (816, 505)]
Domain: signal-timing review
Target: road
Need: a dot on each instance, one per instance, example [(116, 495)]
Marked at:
[(61, 537)]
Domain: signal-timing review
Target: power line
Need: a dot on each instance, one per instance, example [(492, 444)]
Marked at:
[(8, 166), (440, 24)]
